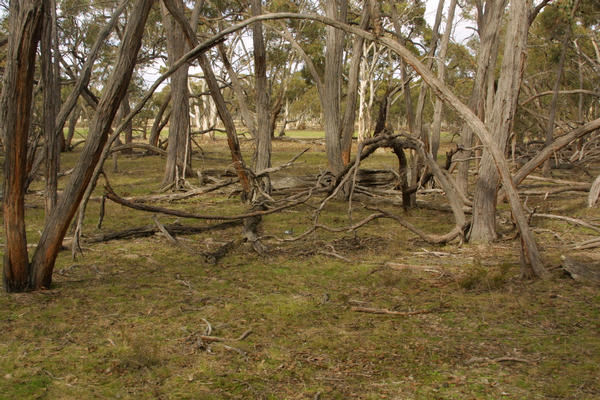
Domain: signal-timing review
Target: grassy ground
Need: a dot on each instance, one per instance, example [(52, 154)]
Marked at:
[(125, 319)]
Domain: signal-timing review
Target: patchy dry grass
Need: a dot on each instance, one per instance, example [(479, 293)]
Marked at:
[(125, 319)]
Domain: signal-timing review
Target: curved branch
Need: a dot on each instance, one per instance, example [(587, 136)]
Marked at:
[(111, 195), (549, 92)]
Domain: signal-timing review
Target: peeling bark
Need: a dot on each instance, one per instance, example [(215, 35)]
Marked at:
[(57, 224), (17, 94)]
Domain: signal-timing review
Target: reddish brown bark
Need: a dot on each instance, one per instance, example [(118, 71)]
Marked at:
[(17, 94), (116, 87)]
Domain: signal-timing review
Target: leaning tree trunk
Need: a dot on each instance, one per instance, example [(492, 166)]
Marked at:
[(80, 87), (242, 101), (158, 122), (71, 127), (57, 224), (505, 102), (441, 73), (17, 94), (124, 111)]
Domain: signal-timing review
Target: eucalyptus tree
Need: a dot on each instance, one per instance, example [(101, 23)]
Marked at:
[(501, 113), (19, 272), (489, 17), (178, 150), (573, 95)]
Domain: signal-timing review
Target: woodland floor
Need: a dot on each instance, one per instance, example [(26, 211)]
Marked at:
[(124, 320)]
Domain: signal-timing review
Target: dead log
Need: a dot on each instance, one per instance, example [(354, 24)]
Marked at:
[(111, 195), (149, 230), (585, 270)]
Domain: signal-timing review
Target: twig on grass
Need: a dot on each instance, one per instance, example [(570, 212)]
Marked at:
[(412, 267), (231, 348), (388, 312), (574, 221), (212, 339), (588, 244), (333, 253), (282, 166), (164, 231), (488, 360), (208, 329)]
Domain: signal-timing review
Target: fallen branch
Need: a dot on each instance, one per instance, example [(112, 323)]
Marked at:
[(574, 221), (144, 146), (588, 244), (336, 255), (181, 196), (487, 360), (215, 256), (388, 312), (411, 267), (282, 166), (164, 231), (549, 150), (433, 239), (558, 181), (149, 230), (559, 190), (584, 270), (111, 195), (314, 228), (212, 339)]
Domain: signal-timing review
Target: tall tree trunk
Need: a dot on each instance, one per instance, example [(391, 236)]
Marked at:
[(51, 98), (17, 93), (415, 122), (57, 224), (276, 108), (334, 42), (215, 92), (263, 132), (441, 73), (179, 127), (500, 121), (352, 92), (489, 33), (559, 73), (158, 122), (362, 94), (429, 63), (408, 105)]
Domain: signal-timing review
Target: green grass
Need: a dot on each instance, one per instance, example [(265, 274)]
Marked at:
[(124, 319)]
